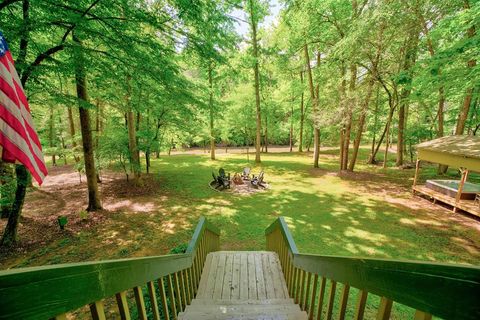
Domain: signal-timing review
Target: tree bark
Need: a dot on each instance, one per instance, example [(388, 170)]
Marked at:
[(51, 136), (361, 124), (98, 128), (256, 72), (371, 158), (132, 145), (212, 133), (387, 144), (302, 117), (7, 194), (132, 135), (409, 61), (383, 135), (366, 102), (348, 124), (342, 107), (87, 141), (291, 129), (316, 129), (9, 237), (266, 134)]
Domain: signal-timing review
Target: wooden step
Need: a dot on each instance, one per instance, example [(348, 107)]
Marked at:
[(242, 285), (244, 316), (241, 302), (243, 308)]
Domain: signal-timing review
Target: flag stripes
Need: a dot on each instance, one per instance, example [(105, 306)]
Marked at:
[(18, 137)]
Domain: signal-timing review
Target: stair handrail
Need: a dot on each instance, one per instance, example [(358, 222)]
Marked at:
[(52, 291), (445, 290)]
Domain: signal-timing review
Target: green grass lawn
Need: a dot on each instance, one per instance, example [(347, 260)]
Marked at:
[(327, 213), (368, 213)]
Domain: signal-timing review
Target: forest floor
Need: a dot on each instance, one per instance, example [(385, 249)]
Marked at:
[(370, 212)]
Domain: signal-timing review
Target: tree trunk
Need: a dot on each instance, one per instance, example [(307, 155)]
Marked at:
[(212, 133), (366, 103), (387, 144), (132, 145), (302, 117), (87, 142), (132, 135), (171, 146), (316, 130), (253, 25), (462, 118), (98, 127), (7, 192), (361, 124), (266, 134), (371, 159), (342, 107), (291, 129), (9, 237), (410, 57), (51, 136), (467, 101), (350, 108)]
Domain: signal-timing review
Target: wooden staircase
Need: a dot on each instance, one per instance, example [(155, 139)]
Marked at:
[(242, 285), (206, 283)]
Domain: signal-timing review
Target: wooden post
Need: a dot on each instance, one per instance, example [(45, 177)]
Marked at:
[(460, 187), (417, 167)]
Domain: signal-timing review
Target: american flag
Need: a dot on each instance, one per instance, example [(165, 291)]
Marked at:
[(18, 137)]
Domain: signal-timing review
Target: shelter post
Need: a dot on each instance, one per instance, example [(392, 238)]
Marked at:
[(417, 167), (460, 186)]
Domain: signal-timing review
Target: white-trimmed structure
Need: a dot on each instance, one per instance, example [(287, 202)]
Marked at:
[(462, 152)]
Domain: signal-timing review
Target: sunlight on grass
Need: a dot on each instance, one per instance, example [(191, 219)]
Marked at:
[(369, 213)]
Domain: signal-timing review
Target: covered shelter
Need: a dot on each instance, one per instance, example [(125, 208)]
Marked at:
[(461, 152)]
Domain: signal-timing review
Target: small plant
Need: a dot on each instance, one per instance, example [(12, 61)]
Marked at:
[(181, 248), (83, 215), (62, 222)]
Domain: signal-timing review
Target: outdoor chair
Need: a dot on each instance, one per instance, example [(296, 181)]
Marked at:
[(246, 173), (223, 178), (257, 181), (216, 183)]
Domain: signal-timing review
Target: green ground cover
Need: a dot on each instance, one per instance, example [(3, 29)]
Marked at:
[(369, 213)]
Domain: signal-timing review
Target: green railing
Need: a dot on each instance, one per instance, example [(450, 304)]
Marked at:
[(53, 291), (443, 290)]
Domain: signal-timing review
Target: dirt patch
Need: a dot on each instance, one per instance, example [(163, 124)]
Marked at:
[(62, 194)]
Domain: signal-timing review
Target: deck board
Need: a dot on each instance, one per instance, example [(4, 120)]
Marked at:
[(227, 280), (243, 276), (238, 283), (268, 275), (220, 276), (261, 291), (281, 291), (240, 275), (251, 277), (235, 293), (466, 205)]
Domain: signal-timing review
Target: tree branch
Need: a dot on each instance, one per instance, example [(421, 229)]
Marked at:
[(39, 60), (5, 3), (42, 56), (22, 54)]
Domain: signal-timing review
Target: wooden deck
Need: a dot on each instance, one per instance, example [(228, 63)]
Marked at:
[(242, 285), (466, 205)]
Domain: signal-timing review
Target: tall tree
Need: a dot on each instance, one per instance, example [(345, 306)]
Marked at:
[(85, 126), (314, 98), (254, 12)]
